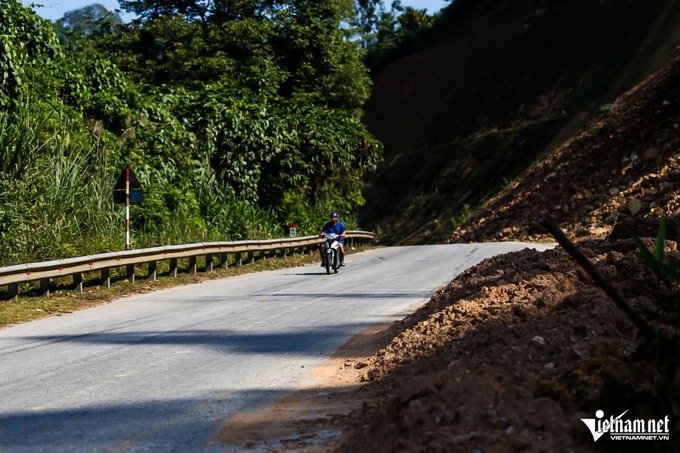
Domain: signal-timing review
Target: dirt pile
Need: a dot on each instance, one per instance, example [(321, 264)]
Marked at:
[(511, 355)]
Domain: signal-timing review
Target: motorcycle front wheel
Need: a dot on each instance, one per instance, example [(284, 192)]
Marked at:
[(329, 260), (336, 261)]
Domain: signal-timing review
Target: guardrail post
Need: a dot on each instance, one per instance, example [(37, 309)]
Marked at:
[(251, 257), (130, 272), (78, 282), (238, 259), (45, 283), (173, 267), (192, 265), (153, 270), (106, 278), (13, 291), (209, 262), (45, 287), (224, 264)]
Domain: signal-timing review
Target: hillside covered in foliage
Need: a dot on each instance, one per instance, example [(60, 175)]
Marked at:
[(236, 117)]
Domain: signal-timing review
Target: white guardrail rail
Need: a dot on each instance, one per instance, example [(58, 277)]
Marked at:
[(44, 271)]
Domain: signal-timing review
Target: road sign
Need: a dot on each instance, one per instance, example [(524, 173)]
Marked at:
[(127, 179)]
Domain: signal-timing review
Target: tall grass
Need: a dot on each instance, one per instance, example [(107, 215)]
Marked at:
[(53, 194), (22, 140)]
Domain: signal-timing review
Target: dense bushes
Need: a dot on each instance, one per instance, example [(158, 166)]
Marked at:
[(235, 126)]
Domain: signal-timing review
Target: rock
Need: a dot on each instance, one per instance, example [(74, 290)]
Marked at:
[(598, 230), (651, 153), (634, 206), (538, 340)]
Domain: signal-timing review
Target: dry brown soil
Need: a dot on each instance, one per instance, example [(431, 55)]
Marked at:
[(514, 352)]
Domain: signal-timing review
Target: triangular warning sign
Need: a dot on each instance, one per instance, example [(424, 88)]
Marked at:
[(134, 182)]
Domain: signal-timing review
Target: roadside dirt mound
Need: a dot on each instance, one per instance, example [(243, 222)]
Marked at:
[(511, 355)]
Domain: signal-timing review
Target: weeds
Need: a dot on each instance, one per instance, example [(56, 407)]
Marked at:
[(463, 216), (667, 291)]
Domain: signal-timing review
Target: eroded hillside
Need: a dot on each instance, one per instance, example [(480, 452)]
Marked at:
[(625, 164), (500, 87)]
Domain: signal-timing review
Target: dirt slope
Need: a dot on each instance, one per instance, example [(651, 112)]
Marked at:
[(500, 85), (626, 163)]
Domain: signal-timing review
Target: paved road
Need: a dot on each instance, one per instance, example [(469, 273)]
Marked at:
[(160, 371)]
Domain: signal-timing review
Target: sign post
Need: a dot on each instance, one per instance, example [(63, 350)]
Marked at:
[(127, 190), (291, 227)]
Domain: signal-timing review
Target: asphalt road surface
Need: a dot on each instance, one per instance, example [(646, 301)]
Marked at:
[(161, 371)]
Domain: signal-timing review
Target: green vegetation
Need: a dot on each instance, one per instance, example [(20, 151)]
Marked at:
[(237, 117), (666, 289), (464, 215)]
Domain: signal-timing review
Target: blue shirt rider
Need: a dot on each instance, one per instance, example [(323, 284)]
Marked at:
[(337, 227)]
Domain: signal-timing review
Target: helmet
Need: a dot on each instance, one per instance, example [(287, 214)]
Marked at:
[(334, 214)]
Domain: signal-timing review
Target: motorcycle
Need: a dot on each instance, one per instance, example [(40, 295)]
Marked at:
[(331, 253)]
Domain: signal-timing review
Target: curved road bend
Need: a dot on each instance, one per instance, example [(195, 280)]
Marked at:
[(161, 371)]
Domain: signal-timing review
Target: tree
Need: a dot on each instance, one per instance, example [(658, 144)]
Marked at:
[(26, 41), (367, 14), (275, 91), (397, 32), (90, 20), (204, 11)]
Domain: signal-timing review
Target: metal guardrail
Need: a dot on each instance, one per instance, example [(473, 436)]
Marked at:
[(13, 276)]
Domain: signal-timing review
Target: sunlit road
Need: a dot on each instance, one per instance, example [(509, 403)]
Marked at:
[(160, 371)]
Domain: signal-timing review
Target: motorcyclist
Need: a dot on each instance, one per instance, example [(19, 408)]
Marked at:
[(337, 227)]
